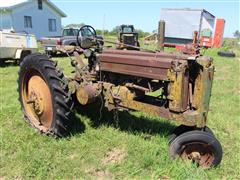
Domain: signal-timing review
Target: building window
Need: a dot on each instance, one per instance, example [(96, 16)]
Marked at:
[(27, 21), (52, 25), (40, 4)]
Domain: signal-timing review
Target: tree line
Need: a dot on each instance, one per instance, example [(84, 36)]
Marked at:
[(112, 32), (140, 32)]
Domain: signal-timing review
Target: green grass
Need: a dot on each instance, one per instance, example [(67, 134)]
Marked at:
[(136, 148)]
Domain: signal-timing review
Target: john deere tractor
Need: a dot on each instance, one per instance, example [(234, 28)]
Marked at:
[(124, 81), (127, 38)]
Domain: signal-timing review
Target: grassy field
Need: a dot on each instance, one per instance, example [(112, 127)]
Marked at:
[(99, 149)]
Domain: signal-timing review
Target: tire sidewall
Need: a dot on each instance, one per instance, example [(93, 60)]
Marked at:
[(39, 62), (197, 136)]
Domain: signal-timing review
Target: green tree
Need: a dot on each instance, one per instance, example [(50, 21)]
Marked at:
[(100, 32), (141, 33), (236, 34), (74, 25), (114, 31)]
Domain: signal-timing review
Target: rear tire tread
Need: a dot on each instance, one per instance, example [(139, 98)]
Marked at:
[(61, 98)]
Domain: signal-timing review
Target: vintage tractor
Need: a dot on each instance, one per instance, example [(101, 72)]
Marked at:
[(127, 38), (125, 80)]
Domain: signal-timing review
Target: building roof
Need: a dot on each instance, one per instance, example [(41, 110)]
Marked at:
[(12, 4), (189, 9)]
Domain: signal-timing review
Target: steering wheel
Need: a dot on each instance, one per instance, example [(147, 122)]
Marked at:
[(86, 37)]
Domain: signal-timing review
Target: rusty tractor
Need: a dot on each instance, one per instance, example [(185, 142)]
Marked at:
[(124, 80), (127, 38)]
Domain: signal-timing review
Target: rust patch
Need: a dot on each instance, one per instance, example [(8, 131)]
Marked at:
[(37, 100), (141, 64), (100, 174), (114, 156)]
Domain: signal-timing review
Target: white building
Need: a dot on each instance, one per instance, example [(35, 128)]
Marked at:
[(39, 17)]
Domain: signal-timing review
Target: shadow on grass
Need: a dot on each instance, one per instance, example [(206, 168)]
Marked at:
[(8, 63), (60, 55), (126, 122), (77, 126)]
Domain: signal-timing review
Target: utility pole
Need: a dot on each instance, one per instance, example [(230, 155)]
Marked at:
[(103, 27)]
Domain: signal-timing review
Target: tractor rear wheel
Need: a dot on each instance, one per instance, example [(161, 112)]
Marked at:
[(43, 94), (199, 147)]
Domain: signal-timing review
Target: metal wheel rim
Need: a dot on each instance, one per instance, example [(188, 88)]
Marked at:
[(199, 153), (37, 100)]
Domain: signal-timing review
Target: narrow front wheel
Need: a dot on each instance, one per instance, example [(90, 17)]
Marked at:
[(198, 147)]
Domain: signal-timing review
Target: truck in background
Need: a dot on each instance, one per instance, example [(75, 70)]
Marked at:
[(68, 37), (52, 45)]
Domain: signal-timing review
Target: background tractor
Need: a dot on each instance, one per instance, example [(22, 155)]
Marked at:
[(127, 36), (172, 86)]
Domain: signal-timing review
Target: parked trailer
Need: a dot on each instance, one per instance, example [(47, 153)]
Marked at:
[(16, 45), (182, 23)]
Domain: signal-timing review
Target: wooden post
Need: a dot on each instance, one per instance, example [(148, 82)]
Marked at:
[(161, 35)]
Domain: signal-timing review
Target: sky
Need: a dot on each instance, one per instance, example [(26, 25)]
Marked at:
[(144, 14)]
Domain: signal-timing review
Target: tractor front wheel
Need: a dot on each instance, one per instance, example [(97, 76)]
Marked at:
[(183, 129), (199, 147), (43, 94)]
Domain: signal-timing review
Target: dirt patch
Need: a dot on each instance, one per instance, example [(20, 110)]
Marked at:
[(72, 156), (237, 91), (222, 69), (100, 174), (221, 78), (114, 156), (164, 178)]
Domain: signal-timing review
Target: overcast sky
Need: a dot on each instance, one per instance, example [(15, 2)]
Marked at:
[(142, 13)]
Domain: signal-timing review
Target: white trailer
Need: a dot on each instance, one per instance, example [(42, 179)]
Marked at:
[(181, 24), (16, 45)]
